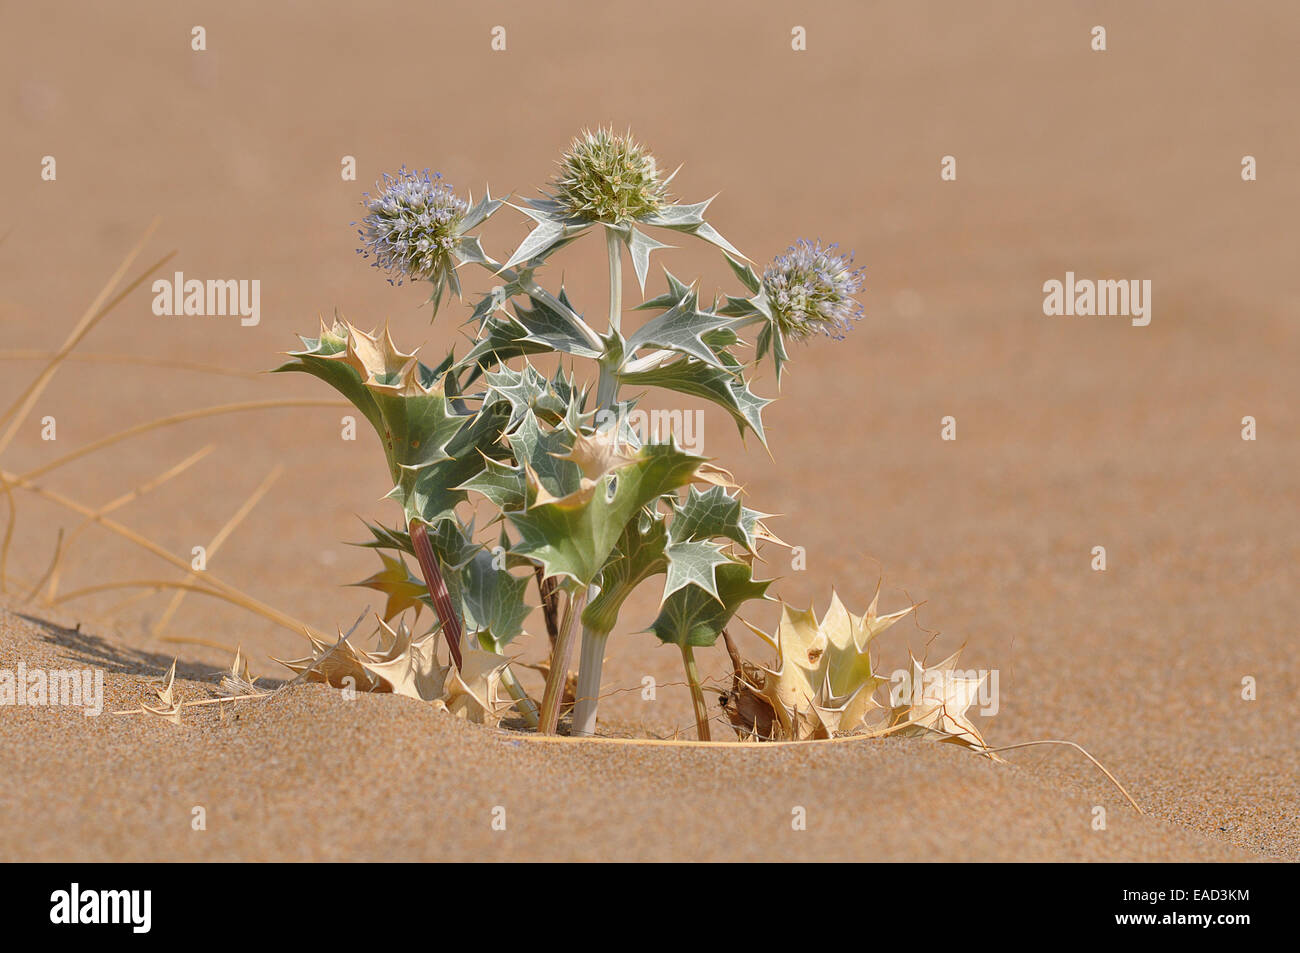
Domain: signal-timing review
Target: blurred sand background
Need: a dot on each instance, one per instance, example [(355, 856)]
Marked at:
[(1072, 432)]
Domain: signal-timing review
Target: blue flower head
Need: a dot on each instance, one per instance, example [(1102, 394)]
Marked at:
[(412, 225), (810, 290)]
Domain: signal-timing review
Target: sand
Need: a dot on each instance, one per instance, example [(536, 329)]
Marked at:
[(309, 776), (1072, 432)]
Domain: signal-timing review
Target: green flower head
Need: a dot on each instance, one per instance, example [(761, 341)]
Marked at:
[(610, 179)]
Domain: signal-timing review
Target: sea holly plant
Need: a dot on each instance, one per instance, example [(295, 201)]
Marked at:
[(582, 506)]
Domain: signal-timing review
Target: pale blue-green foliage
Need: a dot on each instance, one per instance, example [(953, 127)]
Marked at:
[(491, 426)]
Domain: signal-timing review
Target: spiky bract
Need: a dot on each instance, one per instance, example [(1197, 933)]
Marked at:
[(608, 178)]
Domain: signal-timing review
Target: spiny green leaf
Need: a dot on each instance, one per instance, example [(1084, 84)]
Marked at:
[(492, 599), (544, 234), (503, 338), (553, 231), (531, 331), (480, 211), (385, 538), (534, 448), (402, 589), (680, 329), (691, 616), (714, 237), (693, 564), (723, 386), (417, 427), (677, 216), (748, 277), (677, 292), (523, 389), (322, 357), (558, 330), (541, 450), (638, 555), (431, 493), (770, 339), (714, 514), (503, 483), (640, 245), (574, 535), (451, 541)]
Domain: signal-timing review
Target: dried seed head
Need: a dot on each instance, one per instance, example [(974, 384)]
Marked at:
[(609, 178), (810, 290), (411, 226)]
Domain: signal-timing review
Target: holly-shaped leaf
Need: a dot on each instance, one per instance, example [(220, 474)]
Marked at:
[(492, 599), (574, 535), (503, 483), (680, 328), (638, 555), (691, 616), (677, 292), (639, 246), (693, 563), (325, 357), (934, 701), (545, 451), (553, 230), (724, 386), (522, 389), (431, 492), (716, 514), (559, 330), (541, 452), (745, 272), (401, 588)]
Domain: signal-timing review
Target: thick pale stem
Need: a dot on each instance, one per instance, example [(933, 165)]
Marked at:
[(550, 594), (613, 245), (592, 658), (697, 694), (522, 702), (590, 661), (559, 673), (606, 390), (437, 589)]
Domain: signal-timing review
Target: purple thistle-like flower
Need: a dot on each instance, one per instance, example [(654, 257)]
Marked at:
[(810, 290), (412, 225)]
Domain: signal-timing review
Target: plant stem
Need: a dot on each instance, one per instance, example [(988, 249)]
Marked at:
[(437, 589), (559, 673), (590, 661), (697, 694), (592, 657), (522, 702), (614, 247), (606, 393), (549, 593)]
